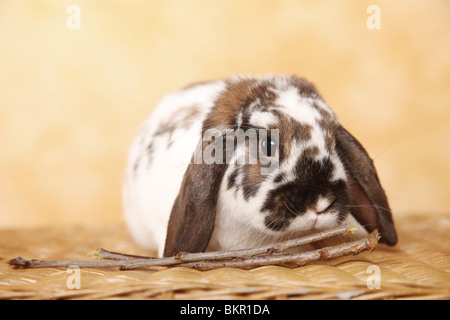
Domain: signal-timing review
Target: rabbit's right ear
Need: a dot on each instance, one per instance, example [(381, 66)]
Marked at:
[(193, 213)]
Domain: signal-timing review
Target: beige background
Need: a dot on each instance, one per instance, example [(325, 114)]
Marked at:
[(71, 100)]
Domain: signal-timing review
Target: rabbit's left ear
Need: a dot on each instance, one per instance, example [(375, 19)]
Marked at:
[(193, 213), (368, 201)]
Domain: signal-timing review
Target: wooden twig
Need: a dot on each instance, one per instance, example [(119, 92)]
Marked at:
[(300, 259), (244, 253), (204, 261), (111, 255), (20, 263)]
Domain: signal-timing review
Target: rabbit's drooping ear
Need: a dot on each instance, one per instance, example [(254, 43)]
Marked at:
[(193, 213), (368, 202)]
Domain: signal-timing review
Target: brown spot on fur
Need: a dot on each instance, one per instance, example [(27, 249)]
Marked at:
[(289, 130), (280, 177), (305, 88), (328, 128), (252, 180), (328, 125), (189, 116), (310, 152), (232, 178), (326, 115), (240, 97), (184, 119), (329, 141), (228, 105)]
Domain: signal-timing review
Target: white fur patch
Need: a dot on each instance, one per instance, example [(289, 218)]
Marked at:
[(297, 107), (263, 119)]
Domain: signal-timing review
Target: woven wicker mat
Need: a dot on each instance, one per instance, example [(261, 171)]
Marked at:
[(418, 268)]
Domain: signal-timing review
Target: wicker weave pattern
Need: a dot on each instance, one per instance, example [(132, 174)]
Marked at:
[(418, 268)]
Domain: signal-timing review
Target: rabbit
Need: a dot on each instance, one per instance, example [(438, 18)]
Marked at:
[(190, 187)]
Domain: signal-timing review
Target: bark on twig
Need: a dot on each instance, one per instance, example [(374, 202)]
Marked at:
[(247, 258), (245, 253), (105, 254), (300, 259)]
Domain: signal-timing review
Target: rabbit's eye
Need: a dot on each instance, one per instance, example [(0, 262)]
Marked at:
[(268, 146)]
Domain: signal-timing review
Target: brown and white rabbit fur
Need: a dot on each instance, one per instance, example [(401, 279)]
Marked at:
[(323, 177)]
